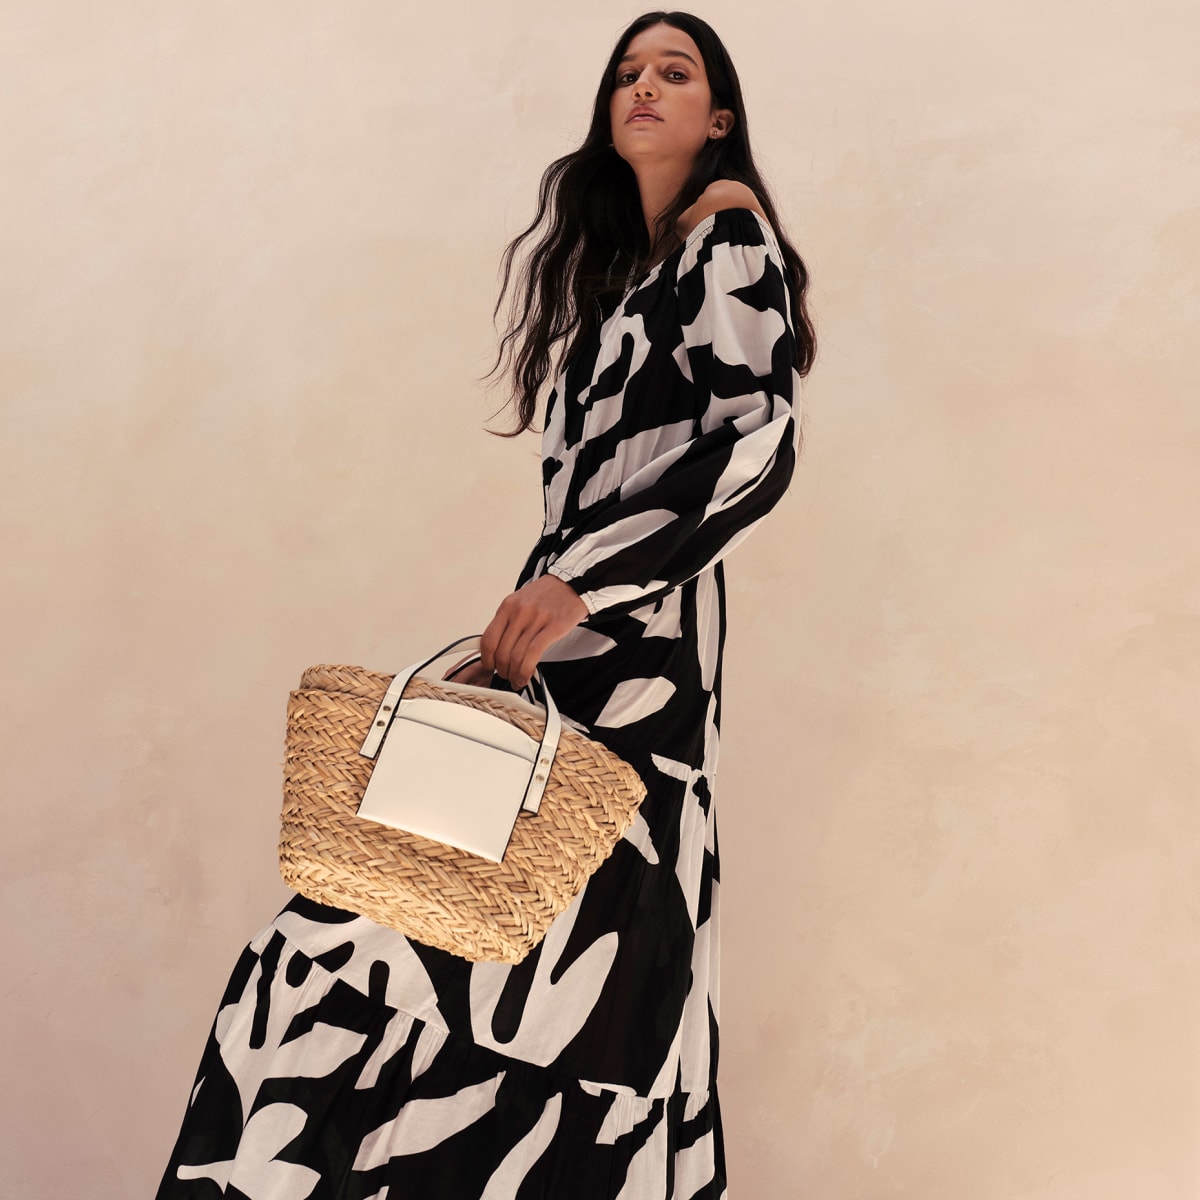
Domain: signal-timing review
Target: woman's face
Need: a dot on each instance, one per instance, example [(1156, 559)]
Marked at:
[(662, 70)]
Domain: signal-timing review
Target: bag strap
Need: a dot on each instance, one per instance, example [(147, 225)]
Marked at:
[(386, 712)]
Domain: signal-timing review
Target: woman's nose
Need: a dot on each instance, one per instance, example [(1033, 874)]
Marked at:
[(641, 89)]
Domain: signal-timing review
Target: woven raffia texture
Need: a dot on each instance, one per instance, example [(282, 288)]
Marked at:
[(437, 894)]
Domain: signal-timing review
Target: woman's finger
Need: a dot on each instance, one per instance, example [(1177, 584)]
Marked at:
[(490, 639), (505, 632), (518, 636), (533, 653), (515, 617), (472, 672), (458, 667), (527, 652)]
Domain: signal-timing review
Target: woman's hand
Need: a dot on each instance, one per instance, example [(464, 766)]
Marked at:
[(473, 673), (527, 623)]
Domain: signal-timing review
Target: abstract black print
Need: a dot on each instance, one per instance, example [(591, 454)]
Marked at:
[(346, 1061)]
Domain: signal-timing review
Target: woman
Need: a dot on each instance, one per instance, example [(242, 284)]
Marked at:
[(347, 1061)]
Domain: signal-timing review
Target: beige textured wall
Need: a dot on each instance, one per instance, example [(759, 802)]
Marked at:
[(249, 262)]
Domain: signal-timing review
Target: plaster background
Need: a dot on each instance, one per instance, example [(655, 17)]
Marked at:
[(250, 261)]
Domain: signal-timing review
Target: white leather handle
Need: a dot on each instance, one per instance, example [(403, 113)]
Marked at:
[(542, 763)]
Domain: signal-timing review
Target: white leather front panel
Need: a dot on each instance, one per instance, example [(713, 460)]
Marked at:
[(438, 784)]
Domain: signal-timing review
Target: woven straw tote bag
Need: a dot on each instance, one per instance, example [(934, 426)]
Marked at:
[(491, 906)]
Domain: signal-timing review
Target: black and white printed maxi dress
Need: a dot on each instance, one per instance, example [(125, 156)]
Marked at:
[(346, 1061)]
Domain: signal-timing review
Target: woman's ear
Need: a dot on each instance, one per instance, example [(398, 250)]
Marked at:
[(722, 121)]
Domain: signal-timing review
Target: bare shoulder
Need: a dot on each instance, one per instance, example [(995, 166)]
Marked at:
[(721, 193)]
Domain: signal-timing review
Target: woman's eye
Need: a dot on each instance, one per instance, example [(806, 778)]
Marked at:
[(633, 74)]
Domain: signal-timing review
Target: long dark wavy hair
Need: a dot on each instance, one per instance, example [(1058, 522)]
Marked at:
[(597, 243)]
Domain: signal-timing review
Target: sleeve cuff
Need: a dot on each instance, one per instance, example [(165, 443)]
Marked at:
[(570, 580)]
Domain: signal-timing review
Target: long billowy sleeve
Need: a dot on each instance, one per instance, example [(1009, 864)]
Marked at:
[(690, 505)]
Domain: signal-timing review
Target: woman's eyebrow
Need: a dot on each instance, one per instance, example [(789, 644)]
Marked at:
[(665, 54)]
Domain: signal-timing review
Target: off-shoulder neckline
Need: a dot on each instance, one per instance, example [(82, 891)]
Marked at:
[(703, 226)]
